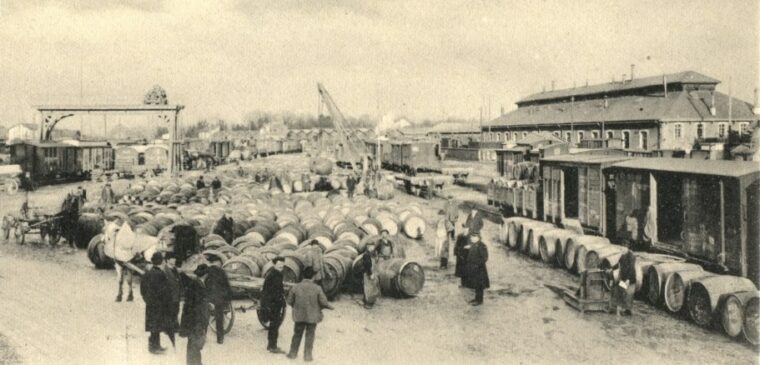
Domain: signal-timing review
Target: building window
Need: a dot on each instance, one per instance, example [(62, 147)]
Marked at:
[(568, 136), (498, 136), (677, 131), (626, 139), (609, 134), (595, 134), (51, 152), (643, 142), (721, 130), (507, 136), (743, 128), (700, 131), (141, 159), (556, 134), (580, 136), (525, 134), (490, 136)]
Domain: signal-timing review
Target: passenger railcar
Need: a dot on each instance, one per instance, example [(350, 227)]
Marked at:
[(56, 161)]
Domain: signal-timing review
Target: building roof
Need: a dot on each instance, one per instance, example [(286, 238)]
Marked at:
[(686, 77), (586, 159), (78, 143), (677, 106), (534, 138), (692, 166), (451, 127)]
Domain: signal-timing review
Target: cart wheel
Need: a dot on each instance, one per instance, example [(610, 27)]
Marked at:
[(229, 319), (264, 319), (12, 187), (20, 233)]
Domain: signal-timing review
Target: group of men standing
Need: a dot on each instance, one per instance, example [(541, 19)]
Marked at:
[(470, 251), (206, 292)]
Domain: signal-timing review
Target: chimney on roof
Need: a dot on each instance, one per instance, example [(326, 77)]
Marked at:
[(633, 69), (756, 108), (552, 85), (713, 110)]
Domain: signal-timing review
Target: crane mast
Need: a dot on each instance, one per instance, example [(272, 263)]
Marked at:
[(340, 126)]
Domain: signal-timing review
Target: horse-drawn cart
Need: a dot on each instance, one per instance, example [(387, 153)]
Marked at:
[(47, 226), (249, 288)]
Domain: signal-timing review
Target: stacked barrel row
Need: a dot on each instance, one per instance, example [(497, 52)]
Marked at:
[(729, 302), (267, 225)]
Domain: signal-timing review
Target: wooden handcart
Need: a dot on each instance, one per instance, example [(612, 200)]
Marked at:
[(47, 226), (249, 288)]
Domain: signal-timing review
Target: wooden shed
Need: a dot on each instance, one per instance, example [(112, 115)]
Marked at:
[(706, 210), (574, 188)]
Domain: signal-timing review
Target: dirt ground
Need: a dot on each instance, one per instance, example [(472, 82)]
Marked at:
[(58, 309)]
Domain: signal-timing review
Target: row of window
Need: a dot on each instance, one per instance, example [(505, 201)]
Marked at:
[(722, 130), (626, 136)]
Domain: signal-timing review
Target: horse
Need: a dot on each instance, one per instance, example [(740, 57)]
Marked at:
[(110, 230)]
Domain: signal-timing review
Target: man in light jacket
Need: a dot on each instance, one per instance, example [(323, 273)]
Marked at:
[(307, 300)]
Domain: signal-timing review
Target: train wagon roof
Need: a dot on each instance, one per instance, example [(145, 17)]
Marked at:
[(586, 159), (78, 143), (692, 166), (39, 143)]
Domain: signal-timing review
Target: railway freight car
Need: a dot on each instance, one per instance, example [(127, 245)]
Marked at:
[(141, 159), (52, 161)]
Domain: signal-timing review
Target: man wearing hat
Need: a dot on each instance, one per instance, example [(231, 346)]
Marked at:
[(307, 300), (273, 303), (175, 286), (452, 217), (474, 222), (313, 259), (195, 315), (156, 293), (106, 196), (384, 245), (219, 294), (371, 283), (476, 276)]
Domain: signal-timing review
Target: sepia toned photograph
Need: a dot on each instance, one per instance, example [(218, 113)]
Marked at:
[(379, 182)]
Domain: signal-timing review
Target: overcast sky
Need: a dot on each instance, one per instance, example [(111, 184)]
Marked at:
[(425, 59)]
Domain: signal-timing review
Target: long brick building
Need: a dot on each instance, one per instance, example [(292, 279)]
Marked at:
[(669, 113)]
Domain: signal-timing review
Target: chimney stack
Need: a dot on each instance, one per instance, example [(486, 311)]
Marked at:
[(713, 110), (552, 85), (633, 69), (756, 107)]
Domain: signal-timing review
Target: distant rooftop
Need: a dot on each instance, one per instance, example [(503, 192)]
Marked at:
[(686, 77), (109, 108)]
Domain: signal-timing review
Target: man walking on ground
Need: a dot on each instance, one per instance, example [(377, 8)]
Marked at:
[(474, 222), (273, 303), (175, 286), (195, 315), (307, 300), (351, 186), (370, 283), (219, 294), (155, 291), (625, 287), (476, 271)]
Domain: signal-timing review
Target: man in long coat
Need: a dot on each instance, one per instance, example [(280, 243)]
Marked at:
[(195, 315), (225, 228), (461, 249), (474, 222), (155, 291), (273, 303), (477, 273), (351, 185), (219, 293), (175, 286), (625, 287)]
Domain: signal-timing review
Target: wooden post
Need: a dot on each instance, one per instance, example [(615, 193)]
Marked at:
[(653, 205), (722, 221), (562, 195)]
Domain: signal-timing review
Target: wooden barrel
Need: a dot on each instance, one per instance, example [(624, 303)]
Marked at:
[(561, 248), (548, 242), (531, 236), (414, 226), (372, 226), (584, 244), (595, 256), (242, 265), (514, 232), (751, 322), (704, 295), (676, 288), (96, 253), (214, 255), (291, 271), (659, 273), (732, 311), (292, 234), (389, 223), (336, 269), (399, 278)]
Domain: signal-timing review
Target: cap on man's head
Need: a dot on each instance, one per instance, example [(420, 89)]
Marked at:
[(277, 259), (157, 258), (314, 242), (308, 273), (201, 270)]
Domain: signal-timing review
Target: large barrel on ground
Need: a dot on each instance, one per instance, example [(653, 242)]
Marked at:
[(548, 243), (336, 269), (582, 245), (559, 251), (531, 233), (751, 322), (595, 256), (515, 231), (414, 226), (399, 278), (705, 294), (320, 166), (732, 311), (242, 265), (677, 288), (88, 226), (97, 255), (659, 273)]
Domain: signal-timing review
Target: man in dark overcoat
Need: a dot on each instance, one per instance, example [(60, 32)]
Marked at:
[(351, 185), (474, 222), (273, 303), (476, 271), (225, 228), (195, 315), (460, 251), (175, 286), (219, 294), (156, 293)]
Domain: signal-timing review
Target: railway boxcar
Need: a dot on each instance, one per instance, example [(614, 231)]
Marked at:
[(415, 156), (706, 210), (220, 149), (138, 159), (51, 161), (92, 155)]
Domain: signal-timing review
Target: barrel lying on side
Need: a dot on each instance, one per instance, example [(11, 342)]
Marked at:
[(732, 311), (659, 273), (705, 293), (399, 278)]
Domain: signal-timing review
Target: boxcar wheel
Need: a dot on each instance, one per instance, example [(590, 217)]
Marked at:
[(229, 319)]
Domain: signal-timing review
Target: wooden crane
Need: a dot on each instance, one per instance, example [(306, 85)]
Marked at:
[(349, 140)]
